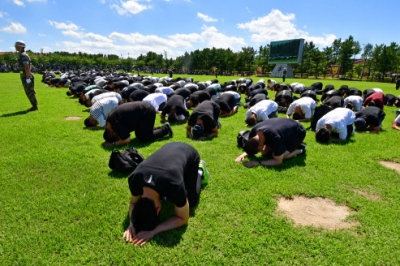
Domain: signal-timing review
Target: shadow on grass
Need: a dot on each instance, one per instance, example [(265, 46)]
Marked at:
[(169, 238), (15, 113)]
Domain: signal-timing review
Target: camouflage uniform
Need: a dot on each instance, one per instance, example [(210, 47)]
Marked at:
[(29, 88)]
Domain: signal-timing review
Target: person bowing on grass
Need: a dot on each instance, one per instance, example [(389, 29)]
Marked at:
[(280, 138), (175, 173)]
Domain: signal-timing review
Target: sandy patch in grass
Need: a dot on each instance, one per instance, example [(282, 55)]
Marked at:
[(367, 195), (73, 117), (316, 212), (391, 165)]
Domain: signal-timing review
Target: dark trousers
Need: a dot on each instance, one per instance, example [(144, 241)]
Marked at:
[(146, 132), (192, 181)]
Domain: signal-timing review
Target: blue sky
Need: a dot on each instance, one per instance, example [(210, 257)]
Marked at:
[(134, 27)]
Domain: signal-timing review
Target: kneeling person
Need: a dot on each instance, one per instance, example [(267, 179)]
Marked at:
[(174, 172), (280, 137), (133, 116)]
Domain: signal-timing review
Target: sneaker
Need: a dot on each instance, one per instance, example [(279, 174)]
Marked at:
[(206, 174), (33, 108), (169, 128), (303, 147)]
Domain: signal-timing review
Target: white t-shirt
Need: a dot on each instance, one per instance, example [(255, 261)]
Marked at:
[(107, 95), (155, 99), (356, 100), (101, 108), (271, 84), (306, 104), (397, 119), (262, 109), (338, 119), (165, 90), (298, 87)]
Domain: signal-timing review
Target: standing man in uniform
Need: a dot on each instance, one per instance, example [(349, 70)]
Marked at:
[(27, 78)]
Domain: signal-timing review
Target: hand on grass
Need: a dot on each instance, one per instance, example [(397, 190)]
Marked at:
[(239, 158), (142, 237), (129, 234), (251, 164), (107, 144)]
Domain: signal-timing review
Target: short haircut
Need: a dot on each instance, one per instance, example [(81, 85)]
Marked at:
[(144, 215), (397, 104), (251, 146), (82, 101), (371, 103), (197, 131), (88, 122), (296, 116), (349, 105), (108, 137), (322, 135), (172, 117), (251, 121)]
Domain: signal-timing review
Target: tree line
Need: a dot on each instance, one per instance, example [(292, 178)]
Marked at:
[(379, 60)]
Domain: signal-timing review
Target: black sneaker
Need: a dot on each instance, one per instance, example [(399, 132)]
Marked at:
[(170, 132), (33, 108)]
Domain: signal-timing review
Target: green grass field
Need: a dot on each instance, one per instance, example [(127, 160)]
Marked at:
[(62, 205)]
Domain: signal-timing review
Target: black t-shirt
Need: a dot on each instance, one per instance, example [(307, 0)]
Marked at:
[(208, 111), (138, 95), (165, 171), (253, 87), (390, 99), (185, 93), (279, 133), (96, 92), (226, 102), (199, 96), (286, 94), (175, 102), (335, 101), (211, 91), (371, 115), (309, 93), (119, 85), (257, 98), (257, 91), (126, 117), (354, 91)]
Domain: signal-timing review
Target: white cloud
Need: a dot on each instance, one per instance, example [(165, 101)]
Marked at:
[(14, 27), (18, 2), (213, 38), (97, 37), (1, 14), (278, 26), (206, 18), (73, 34), (42, 35), (102, 1), (63, 26), (130, 7), (31, 1)]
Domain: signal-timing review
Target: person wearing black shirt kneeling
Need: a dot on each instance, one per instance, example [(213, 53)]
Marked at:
[(174, 172), (280, 137), (133, 116)]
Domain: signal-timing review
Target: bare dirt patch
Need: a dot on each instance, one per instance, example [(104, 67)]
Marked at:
[(73, 117), (367, 195), (391, 165), (316, 212)]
